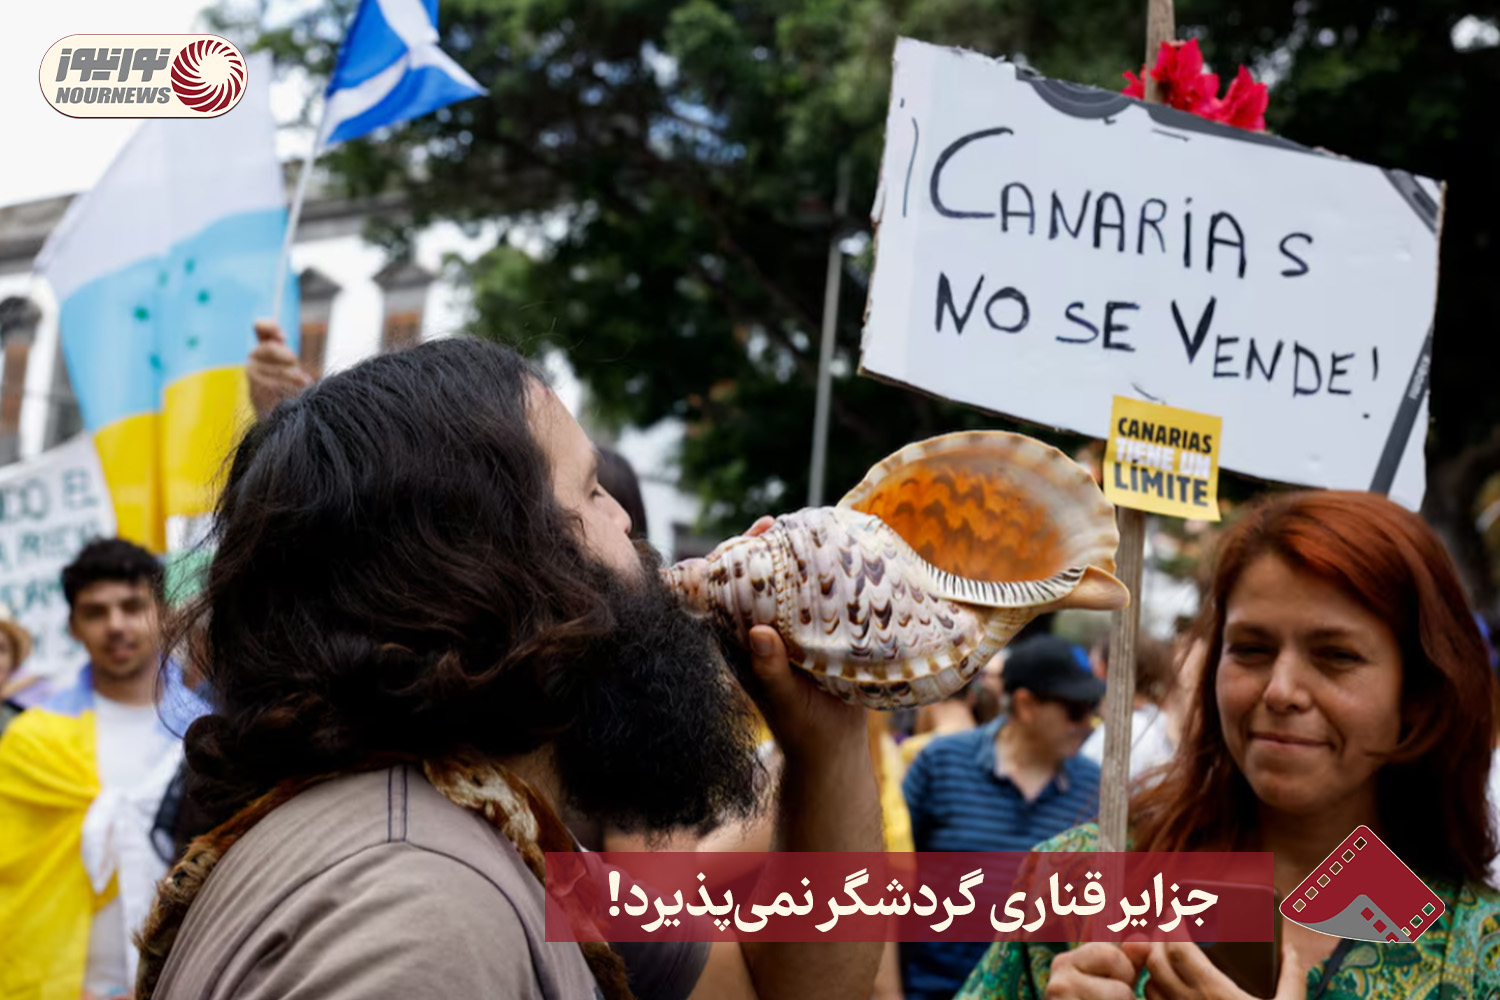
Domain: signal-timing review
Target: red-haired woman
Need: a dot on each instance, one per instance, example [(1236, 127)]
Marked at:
[(1345, 683)]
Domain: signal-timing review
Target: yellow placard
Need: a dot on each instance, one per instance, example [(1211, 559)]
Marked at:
[(1163, 460)]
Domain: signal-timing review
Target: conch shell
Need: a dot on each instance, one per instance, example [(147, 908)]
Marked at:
[(900, 593)]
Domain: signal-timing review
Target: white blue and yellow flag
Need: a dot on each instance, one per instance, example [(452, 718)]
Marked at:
[(160, 271)]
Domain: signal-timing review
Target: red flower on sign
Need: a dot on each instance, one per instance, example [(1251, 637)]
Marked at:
[(1244, 106), (1186, 87)]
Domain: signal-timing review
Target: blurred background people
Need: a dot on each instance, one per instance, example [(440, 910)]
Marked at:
[(1151, 741), (1005, 785), (617, 477), (15, 647), (972, 705), (1344, 683), (991, 676), (82, 777)]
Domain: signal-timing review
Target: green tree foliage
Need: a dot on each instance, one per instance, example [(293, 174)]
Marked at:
[(680, 156)]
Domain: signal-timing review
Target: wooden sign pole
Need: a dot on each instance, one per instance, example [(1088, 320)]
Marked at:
[(1119, 697), (1161, 26)]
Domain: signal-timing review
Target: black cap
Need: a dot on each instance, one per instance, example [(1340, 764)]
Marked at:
[(1050, 667)]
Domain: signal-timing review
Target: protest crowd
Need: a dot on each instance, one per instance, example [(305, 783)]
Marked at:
[(423, 646), (1276, 706)]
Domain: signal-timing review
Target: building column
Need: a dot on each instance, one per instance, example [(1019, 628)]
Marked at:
[(18, 320), (64, 418)]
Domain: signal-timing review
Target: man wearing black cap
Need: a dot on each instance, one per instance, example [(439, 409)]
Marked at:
[(1005, 786)]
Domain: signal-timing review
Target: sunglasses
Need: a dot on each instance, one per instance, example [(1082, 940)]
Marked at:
[(1077, 710)]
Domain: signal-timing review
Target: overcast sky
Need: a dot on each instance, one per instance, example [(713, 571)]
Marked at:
[(55, 154)]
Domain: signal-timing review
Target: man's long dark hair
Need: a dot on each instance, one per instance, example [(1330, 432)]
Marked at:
[(393, 576)]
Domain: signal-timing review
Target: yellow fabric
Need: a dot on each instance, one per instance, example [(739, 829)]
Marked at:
[(127, 453), (895, 818), (912, 745), (48, 780), (203, 417), (171, 464), (895, 821)]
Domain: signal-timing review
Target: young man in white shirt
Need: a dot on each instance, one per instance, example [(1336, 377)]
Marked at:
[(107, 750)]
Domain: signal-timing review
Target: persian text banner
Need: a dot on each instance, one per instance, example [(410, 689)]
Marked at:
[(1204, 897)]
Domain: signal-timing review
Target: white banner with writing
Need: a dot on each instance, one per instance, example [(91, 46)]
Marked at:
[(1044, 247), (50, 507)]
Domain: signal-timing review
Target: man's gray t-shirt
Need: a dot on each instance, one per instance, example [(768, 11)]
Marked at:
[(374, 885)]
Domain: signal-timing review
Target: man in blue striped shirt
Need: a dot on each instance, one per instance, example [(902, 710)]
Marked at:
[(1005, 786)]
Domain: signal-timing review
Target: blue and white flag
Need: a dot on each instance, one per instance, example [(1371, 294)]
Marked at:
[(391, 70)]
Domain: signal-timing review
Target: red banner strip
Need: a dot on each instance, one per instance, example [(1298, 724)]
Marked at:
[(622, 897)]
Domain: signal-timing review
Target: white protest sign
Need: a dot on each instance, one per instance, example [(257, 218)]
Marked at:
[(1043, 247), (50, 507)]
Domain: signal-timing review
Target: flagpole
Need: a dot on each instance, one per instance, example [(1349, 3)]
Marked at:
[(831, 286), (295, 216), (370, 32)]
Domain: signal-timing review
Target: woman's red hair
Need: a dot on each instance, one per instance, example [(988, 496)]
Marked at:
[(1432, 789)]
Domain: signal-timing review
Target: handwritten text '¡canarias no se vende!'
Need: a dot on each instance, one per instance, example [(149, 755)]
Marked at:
[(1103, 222)]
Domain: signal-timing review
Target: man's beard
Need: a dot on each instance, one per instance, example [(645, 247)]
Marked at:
[(664, 738)]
